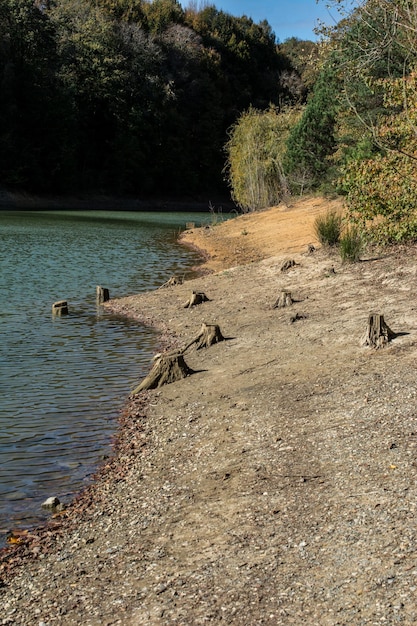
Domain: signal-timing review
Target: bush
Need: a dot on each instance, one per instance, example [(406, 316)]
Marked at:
[(254, 158), (351, 244), (382, 197), (328, 228)]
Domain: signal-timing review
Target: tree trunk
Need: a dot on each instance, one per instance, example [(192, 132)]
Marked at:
[(378, 333), (284, 300), (196, 298), (167, 368)]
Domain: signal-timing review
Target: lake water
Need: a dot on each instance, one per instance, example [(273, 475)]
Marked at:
[(64, 380)]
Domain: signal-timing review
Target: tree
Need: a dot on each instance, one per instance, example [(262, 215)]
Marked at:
[(32, 109), (312, 140), (381, 189), (255, 153), (377, 53), (305, 59), (161, 14)]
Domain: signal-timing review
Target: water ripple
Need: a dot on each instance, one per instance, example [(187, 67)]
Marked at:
[(64, 379)]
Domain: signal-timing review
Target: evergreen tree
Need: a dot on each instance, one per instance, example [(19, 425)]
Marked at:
[(312, 140)]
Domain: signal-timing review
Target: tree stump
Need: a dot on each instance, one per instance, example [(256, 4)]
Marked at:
[(284, 300), (196, 298), (60, 308), (208, 336), (287, 265), (102, 294), (167, 368), (378, 333), (172, 282)]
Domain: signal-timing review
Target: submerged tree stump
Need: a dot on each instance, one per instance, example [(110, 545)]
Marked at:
[(197, 297), (167, 368), (172, 282), (378, 333), (284, 300), (102, 294), (60, 308)]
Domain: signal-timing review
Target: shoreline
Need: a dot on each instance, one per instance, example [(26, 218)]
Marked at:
[(276, 484), (16, 201), (26, 548)]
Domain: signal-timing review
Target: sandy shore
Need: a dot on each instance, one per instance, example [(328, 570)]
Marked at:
[(276, 484)]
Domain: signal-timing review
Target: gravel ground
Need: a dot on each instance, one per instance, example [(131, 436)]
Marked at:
[(275, 485)]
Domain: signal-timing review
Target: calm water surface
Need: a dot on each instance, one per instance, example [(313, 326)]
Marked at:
[(64, 379)]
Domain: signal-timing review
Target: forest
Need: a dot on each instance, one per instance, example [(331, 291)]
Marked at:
[(130, 97), (144, 98)]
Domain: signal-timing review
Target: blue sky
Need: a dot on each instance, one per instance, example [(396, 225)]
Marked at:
[(288, 18)]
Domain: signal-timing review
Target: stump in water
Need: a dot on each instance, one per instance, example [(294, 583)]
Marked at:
[(174, 280), (284, 300), (102, 294), (167, 368), (60, 308), (196, 297), (208, 335), (378, 333)]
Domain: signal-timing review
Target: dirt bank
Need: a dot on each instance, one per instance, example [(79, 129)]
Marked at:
[(282, 230), (277, 484)]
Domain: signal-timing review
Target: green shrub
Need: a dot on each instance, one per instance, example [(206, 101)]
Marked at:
[(351, 245), (328, 228), (254, 157)]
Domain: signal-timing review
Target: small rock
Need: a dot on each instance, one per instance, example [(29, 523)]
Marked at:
[(51, 503)]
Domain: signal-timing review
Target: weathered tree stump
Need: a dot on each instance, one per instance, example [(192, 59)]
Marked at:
[(208, 336), (284, 300), (171, 366), (102, 294), (297, 317), (196, 297), (60, 307), (287, 265), (167, 368), (378, 333), (172, 282)]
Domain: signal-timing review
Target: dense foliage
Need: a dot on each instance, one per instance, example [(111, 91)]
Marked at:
[(255, 157), (128, 96), (379, 157), (312, 140), (369, 149), (357, 131)]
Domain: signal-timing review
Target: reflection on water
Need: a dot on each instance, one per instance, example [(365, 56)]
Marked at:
[(64, 379)]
